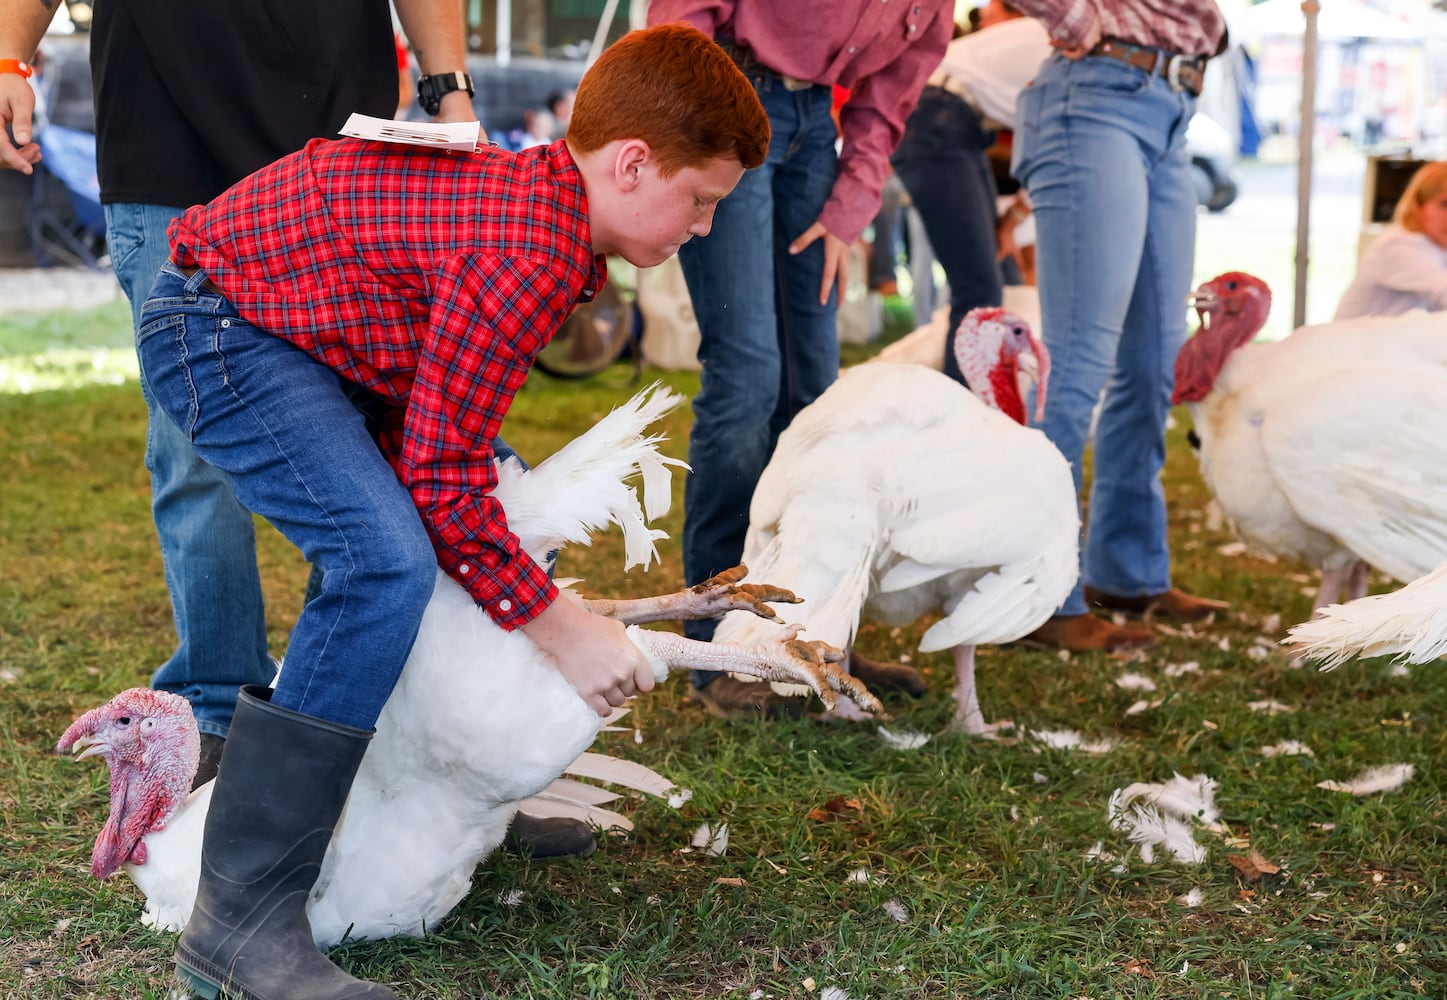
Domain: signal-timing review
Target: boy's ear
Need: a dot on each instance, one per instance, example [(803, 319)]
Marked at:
[(633, 158)]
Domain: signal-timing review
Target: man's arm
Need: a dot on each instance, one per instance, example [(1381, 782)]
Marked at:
[(437, 34), (22, 26)]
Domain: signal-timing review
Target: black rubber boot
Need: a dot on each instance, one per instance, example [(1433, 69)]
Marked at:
[(283, 781)]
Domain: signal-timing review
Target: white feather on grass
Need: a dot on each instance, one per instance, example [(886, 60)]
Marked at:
[(1069, 739), (1287, 748), (1387, 778), (1161, 815)]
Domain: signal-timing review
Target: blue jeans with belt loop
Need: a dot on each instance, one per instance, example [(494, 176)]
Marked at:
[(282, 429), (208, 540), (768, 348), (1100, 146)]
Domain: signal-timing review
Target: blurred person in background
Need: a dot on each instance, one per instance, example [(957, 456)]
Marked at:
[(1405, 268)]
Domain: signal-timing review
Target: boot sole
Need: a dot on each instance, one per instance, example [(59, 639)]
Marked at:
[(197, 985)]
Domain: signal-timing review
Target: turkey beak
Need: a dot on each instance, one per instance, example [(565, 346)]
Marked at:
[(1038, 367), (89, 746), (1202, 300)]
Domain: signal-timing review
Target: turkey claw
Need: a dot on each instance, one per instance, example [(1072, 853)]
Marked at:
[(723, 593), (814, 663)]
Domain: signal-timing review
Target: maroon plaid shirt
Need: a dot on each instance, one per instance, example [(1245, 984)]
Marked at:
[(431, 278), (1192, 27)]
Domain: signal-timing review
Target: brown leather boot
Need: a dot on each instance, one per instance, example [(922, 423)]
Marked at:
[(1175, 604), (1084, 633), (730, 698), (887, 676)]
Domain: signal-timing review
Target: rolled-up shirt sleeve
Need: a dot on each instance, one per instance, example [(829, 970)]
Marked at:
[(872, 123), (482, 338)]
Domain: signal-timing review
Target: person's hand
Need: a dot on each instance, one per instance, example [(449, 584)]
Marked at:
[(594, 654), (1089, 41), (456, 106), (17, 106), (836, 258)]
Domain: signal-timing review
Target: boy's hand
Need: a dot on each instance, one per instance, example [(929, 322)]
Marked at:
[(836, 259), (17, 105), (592, 652)]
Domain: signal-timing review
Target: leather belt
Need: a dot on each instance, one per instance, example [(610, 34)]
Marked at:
[(743, 57), (1182, 72), (190, 272)]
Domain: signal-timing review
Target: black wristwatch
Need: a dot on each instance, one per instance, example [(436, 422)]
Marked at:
[(430, 89)]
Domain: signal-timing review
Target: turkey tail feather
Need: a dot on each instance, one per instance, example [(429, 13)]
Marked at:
[(1410, 624)]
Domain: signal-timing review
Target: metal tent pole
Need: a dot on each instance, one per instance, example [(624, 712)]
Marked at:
[(1303, 159)]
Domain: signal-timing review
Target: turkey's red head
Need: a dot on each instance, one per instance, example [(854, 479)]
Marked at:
[(992, 346), (149, 741), (1233, 308)]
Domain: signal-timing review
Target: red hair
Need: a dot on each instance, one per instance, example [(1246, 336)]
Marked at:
[(672, 87)]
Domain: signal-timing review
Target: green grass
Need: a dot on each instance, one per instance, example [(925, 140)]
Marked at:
[(982, 844)]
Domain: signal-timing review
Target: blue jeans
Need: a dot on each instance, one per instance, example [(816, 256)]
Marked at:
[(768, 348), (941, 161), (208, 541), (1101, 148), (295, 449)]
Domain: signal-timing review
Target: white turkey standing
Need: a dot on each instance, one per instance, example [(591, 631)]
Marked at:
[(898, 493), (1325, 446)]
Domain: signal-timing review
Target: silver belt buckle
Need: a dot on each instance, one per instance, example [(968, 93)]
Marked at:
[(1173, 72)]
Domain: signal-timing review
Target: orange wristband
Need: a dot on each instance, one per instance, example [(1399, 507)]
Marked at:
[(16, 66)]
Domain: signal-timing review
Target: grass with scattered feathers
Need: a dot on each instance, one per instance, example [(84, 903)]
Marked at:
[(976, 879)]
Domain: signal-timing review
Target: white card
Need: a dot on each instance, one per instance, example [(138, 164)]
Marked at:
[(439, 135)]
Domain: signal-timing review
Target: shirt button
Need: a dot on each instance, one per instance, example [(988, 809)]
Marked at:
[(504, 605), (464, 569), (851, 48)]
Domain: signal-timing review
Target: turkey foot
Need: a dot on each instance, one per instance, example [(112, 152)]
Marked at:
[(785, 658), (713, 598)]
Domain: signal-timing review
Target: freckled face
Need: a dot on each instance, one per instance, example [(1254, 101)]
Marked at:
[(1434, 219), (668, 213)]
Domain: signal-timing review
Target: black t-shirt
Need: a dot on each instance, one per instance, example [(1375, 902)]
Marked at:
[(193, 95)]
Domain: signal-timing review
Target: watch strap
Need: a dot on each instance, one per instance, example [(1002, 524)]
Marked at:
[(434, 86)]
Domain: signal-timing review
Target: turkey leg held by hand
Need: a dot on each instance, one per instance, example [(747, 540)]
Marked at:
[(784, 658)]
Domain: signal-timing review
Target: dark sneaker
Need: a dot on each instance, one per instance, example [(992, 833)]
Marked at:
[(887, 676)]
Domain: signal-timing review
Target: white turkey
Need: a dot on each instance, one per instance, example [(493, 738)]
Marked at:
[(898, 493), (479, 721), (1410, 623), (1325, 446)]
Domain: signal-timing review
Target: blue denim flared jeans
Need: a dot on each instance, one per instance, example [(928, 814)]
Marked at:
[(208, 542), (295, 449), (768, 348), (1100, 146)]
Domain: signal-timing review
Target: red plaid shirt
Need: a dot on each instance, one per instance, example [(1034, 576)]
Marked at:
[(431, 278)]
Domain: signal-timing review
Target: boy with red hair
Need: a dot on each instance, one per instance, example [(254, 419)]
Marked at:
[(419, 284)]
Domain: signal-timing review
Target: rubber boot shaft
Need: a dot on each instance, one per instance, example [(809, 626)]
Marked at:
[(283, 781)]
